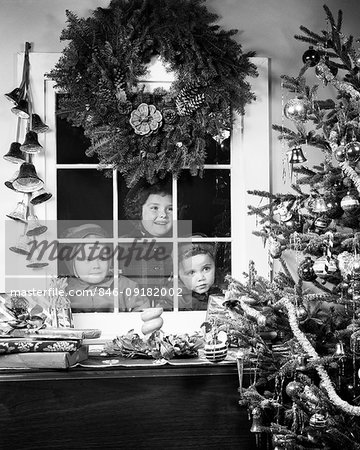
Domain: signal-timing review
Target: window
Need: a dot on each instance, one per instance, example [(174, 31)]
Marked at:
[(213, 206)]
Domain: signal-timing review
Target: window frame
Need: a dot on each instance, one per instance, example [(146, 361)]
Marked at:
[(249, 169)]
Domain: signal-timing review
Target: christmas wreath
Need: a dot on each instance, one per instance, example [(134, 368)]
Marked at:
[(148, 134)]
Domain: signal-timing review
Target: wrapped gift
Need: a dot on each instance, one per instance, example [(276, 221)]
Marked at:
[(44, 360), (28, 345)]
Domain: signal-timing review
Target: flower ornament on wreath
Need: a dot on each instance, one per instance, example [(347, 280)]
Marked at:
[(136, 131), (145, 119)]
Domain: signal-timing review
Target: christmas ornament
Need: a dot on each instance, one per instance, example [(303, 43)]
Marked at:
[(297, 109), (223, 134), (283, 441), (333, 209), (321, 223), (296, 156), (349, 202), (318, 421), (275, 249), (284, 211), (345, 263), (301, 312), (319, 205), (306, 271), (324, 266), (294, 388), (340, 153), (145, 119), (311, 57), (353, 151), (256, 426), (339, 349)]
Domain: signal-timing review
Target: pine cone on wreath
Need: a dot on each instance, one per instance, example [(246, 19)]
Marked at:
[(189, 100)]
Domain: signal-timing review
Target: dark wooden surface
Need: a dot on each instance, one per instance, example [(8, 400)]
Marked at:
[(148, 408)]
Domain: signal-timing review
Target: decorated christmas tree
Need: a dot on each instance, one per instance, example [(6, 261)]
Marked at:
[(300, 331)]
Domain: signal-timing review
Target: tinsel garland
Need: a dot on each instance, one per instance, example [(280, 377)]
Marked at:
[(350, 172), (309, 349), (146, 134), (324, 71)]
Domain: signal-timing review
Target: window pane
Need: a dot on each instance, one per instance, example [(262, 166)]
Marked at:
[(217, 153), (71, 142), (147, 208), (89, 270), (202, 269), (147, 264), (83, 195), (206, 201)]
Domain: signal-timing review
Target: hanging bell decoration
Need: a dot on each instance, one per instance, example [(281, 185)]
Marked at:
[(20, 213), (40, 196), (34, 227), (15, 155), (339, 349), (349, 202), (27, 180), (31, 144), (9, 183), (21, 109), (22, 246), (35, 258), (296, 156), (319, 205), (37, 125), (15, 96)]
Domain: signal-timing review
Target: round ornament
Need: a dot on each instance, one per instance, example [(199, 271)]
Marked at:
[(334, 210), (321, 223), (306, 271), (353, 151), (297, 109), (294, 388), (340, 153), (301, 313), (349, 202), (318, 421), (311, 57)]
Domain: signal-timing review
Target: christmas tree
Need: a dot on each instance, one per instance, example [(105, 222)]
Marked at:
[(301, 333)]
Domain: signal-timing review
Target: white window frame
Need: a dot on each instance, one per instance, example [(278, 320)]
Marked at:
[(249, 169)]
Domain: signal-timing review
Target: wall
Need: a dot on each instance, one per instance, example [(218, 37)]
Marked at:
[(265, 26)]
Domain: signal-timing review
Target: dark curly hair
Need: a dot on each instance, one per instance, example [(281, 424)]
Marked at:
[(138, 195)]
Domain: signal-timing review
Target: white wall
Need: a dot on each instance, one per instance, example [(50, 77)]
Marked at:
[(266, 26)]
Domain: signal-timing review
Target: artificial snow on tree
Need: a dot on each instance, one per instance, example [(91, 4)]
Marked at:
[(148, 134), (306, 381)]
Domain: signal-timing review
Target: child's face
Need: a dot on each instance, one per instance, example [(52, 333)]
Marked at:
[(157, 214), (92, 263), (197, 272)]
